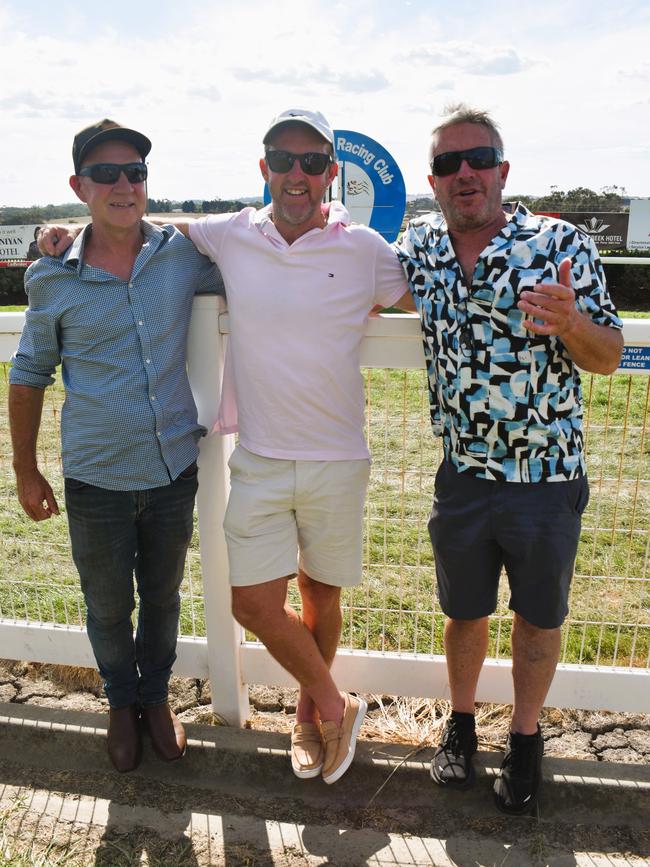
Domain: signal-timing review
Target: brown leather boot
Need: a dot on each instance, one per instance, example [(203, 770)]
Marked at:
[(166, 731), (124, 740)]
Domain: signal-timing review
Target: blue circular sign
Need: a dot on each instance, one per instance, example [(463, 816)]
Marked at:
[(369, 183)]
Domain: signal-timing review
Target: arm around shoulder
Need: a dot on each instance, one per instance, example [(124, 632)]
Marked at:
[(183, 226)]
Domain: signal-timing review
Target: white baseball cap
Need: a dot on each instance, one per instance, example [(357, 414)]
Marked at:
[(314, 119)]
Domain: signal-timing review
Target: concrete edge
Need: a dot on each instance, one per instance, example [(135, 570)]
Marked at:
[(232, 760)]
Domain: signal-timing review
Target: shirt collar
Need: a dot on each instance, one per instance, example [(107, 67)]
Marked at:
[(74, 255), (517, 216)]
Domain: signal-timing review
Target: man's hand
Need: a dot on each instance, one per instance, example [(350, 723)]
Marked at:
[(553, 303), (35, 495), (55, 240)]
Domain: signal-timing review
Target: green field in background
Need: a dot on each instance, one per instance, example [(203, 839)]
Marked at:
[(394, 608)]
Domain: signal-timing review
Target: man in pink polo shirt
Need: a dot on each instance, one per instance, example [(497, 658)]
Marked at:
[(300, 287)]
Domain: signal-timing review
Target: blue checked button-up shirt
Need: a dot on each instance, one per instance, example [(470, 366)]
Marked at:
[(129, 421), (506, 402)]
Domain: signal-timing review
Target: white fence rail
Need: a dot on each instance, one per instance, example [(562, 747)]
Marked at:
[(230, 662)]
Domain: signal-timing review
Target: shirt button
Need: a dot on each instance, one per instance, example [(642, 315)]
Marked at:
[(157, 433), (153, 396), (148, 360), (130, 285), (140, 322)]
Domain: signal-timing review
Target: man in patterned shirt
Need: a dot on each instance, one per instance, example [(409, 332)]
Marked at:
[(511, 304), (115, 311)]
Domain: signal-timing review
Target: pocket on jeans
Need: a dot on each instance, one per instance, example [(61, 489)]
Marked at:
[(75, 484), (190, 472), (577, 492)]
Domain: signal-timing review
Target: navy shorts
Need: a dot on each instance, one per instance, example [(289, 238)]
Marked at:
[(478, 526)]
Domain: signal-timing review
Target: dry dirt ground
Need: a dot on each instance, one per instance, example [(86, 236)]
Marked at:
[(607, 737), (53, 817)]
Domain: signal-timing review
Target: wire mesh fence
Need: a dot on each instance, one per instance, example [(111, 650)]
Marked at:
[(395, 607)]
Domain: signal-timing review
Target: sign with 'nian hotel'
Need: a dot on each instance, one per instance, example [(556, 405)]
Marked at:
[(613, 231), (18, 243)]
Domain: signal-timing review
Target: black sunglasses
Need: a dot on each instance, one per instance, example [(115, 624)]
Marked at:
[(312, 163), (477, 158), (108, 173)]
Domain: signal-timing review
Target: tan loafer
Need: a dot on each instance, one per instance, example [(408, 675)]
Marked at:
[(307, 752), (341, 741)]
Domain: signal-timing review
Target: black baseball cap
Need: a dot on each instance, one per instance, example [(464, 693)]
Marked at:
[(106, 130)]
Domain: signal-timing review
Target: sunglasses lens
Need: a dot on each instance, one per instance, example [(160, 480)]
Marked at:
[(104, 173), (446, 164), (483, 158), (312, 162), (135, 173), (279, 161)]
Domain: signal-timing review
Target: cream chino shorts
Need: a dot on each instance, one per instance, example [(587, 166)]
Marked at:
[(283, 515)]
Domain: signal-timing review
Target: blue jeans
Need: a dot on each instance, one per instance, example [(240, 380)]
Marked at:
[(115, 534)]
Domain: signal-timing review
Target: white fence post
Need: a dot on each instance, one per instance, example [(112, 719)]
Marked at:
[(224, 636)]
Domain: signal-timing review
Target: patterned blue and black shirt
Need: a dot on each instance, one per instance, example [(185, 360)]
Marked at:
[(129, 421), (506, 402)]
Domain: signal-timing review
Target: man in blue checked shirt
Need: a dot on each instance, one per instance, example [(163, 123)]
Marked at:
[(114, 311)]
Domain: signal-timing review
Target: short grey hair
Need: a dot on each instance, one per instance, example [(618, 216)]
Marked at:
[(460, 112)]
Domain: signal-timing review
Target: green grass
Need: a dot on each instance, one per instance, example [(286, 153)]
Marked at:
[(395, 609), (634, 314)]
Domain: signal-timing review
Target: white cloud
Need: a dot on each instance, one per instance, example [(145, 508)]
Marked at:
[(349, 80), (473, 58)]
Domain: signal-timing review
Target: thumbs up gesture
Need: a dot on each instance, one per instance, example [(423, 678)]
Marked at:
[(551, 307)]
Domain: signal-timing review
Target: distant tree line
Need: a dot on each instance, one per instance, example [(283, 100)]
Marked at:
[(610, 199), (37, 214), (194, 206)]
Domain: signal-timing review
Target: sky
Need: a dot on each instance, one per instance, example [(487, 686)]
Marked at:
[(567, 80)]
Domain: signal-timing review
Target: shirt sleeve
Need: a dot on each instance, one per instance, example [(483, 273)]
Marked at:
[(588, 275), (38, 353), (210, 281), (403, 246), (390, 280), (208, 233), (407, 250)]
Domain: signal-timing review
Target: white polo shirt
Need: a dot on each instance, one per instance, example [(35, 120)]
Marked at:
[(298, 314)]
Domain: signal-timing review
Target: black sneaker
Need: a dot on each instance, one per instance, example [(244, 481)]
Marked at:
[(452, 761), (516, 787)]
